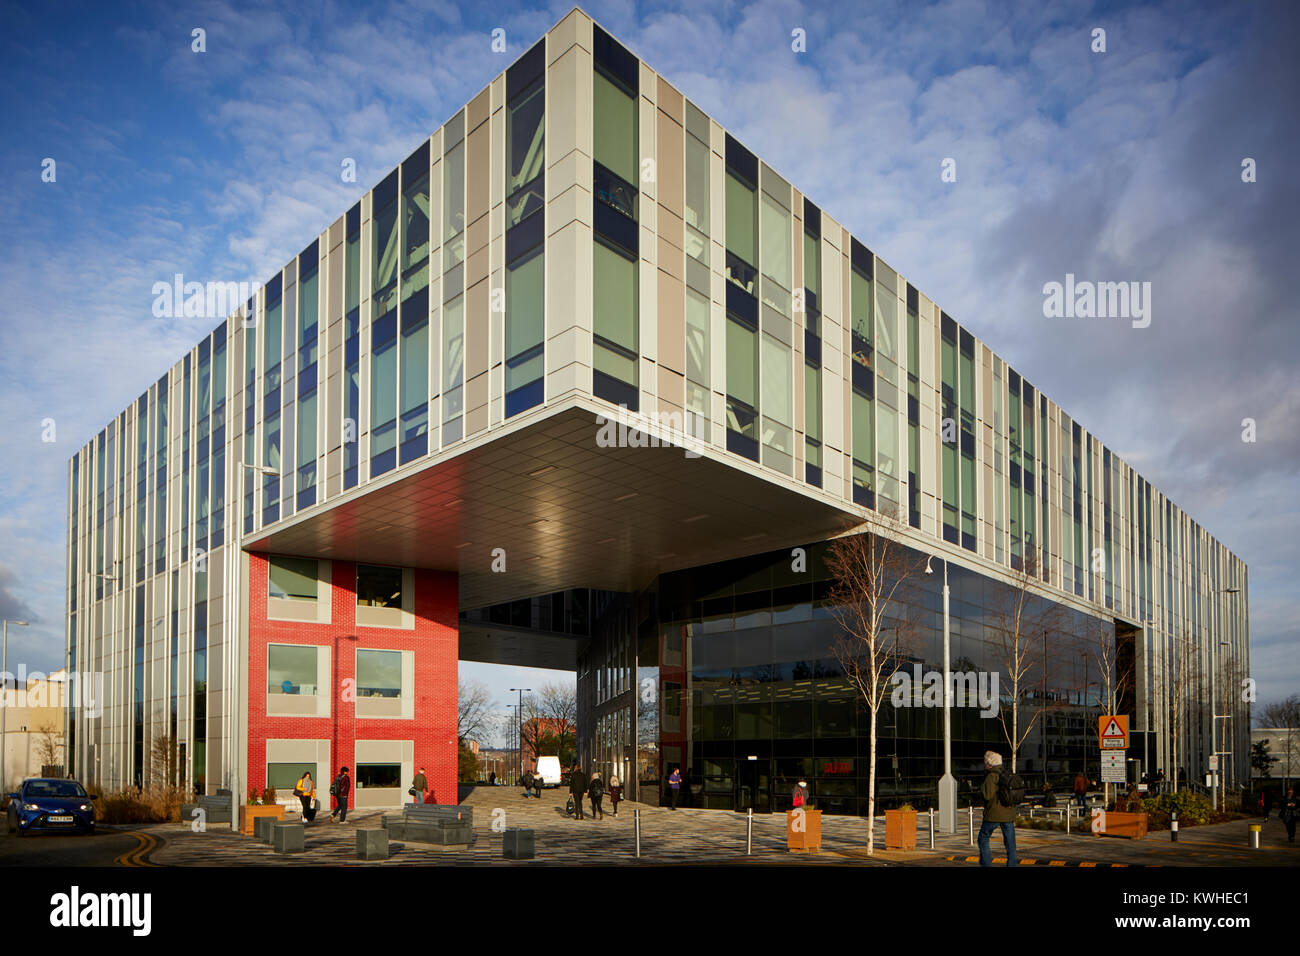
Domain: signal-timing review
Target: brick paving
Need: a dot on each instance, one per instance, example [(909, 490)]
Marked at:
[(693, 837)]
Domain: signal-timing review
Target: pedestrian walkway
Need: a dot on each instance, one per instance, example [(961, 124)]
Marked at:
[(704, 837)]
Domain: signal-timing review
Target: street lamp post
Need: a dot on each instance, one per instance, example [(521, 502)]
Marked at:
[(238, 749), (947, 783), (4, 696), (519, 724)]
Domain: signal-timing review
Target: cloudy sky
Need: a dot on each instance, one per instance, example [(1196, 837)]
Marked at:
[(1116, 165)]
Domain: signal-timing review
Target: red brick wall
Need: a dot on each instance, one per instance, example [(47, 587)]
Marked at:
[(435, 641)]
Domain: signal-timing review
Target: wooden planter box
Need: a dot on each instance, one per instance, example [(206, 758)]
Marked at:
[(900, 829), (248, 814), (809, 834), (1131, 825)]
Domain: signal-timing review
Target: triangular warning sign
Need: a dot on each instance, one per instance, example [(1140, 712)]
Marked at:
[(1113, 729)]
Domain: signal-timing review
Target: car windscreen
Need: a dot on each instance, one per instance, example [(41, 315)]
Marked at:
[(53, 788)]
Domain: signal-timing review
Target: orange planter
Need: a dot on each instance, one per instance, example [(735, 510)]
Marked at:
[(803, 829), (900, 829), (248, 814), (1131, 825)]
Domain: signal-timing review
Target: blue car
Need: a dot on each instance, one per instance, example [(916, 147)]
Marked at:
[(44, 803)]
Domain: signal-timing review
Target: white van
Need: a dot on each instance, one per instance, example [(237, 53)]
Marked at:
[(548, 768)]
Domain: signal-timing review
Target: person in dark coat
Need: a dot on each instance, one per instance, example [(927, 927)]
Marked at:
[(578, 789), (342, 788), (1290, 813), (996, 813), (596, 791), (420, 785), (526, 781), (674, 786), (615, 793)]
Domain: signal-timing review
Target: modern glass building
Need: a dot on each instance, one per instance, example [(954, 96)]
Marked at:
[(565, 389)]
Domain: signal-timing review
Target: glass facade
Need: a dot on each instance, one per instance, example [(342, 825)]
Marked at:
[(737, 683), (420, 317)]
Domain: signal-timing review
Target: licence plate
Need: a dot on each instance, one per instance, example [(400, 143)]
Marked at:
[(61, 819)]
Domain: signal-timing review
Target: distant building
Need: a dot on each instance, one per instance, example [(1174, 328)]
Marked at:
[(539, 729), (33, 726), (1284, 745)]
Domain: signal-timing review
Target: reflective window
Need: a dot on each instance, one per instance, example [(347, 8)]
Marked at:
[(292, 579), (291, 669), (379, 586), (378, 775), (379, 673)]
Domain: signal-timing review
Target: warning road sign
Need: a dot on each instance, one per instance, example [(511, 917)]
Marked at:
[(1112, 766), (1113, 730)]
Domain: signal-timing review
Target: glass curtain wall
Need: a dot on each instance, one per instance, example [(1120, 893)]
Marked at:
[(525, 251), (616, 339)]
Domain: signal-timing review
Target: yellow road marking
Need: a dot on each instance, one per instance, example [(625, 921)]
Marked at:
[(146, 844)]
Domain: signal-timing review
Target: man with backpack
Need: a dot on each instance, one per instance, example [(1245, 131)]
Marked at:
[(339, 790), (1002, 792)]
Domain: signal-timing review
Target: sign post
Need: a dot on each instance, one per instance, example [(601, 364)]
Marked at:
[(1112, 736)]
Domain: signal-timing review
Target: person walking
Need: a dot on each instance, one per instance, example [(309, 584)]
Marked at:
[(341, 788), (1080, 789), (420, 786), (1289, 813), (1000, 801), (538, 780), (596, 790), (577, 790), (492, 779), (526, 781), (305, 790), (615, 793), (674, 785)]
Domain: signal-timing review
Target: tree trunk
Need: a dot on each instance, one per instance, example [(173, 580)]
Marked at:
[(871, 788)]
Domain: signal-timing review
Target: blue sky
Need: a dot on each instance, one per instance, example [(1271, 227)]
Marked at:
[(1123, 165)]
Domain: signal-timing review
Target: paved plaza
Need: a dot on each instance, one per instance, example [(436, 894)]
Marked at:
[(701, 837)]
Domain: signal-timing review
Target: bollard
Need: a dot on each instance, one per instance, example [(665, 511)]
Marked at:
[(749, 832), (970, 819), (932, 828), (1173, 827), (1254, 836), (636, 824), (1067, 819)]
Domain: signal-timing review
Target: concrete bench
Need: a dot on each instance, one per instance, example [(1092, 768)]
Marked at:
[(372, 844), (431, 823), (288, 837), (262, 829), (436, 812), (215, 810)]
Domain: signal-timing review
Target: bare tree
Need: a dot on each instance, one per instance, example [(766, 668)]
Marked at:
[(1284, 716), (49, 745), (871, 571), (1017, 627), (1179, 675), (163, 762), (473, 709), (549, 722)]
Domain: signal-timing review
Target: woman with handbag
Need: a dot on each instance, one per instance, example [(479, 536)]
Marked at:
[(615, 793), (306, 792)]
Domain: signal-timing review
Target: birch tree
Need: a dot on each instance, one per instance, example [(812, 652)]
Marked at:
[(872, 574)]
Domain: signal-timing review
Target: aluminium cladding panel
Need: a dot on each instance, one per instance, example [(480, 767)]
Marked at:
[(332, 446), (569, 235)]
